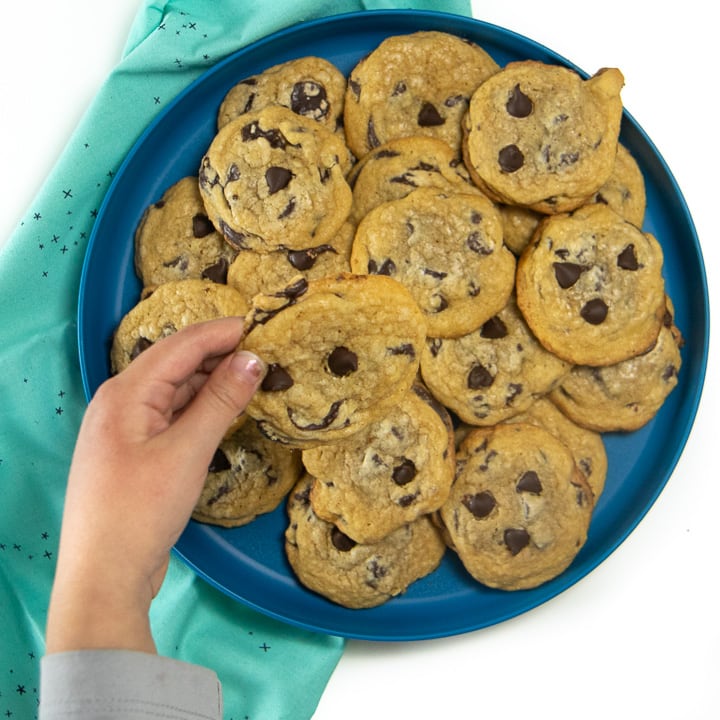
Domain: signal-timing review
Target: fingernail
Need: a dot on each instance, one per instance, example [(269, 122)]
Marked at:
[(248, 364)]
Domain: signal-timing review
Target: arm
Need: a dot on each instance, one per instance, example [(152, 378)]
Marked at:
[(138, 468)]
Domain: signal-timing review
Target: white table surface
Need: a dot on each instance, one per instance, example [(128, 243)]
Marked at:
[(640, 636)]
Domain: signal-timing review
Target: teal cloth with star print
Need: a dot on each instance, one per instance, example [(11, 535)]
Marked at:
[(268, 669)]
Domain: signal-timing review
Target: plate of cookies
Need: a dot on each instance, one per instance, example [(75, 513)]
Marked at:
[(479, 294)]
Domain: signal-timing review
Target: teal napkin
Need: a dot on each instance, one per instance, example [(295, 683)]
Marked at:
[(268, 669)]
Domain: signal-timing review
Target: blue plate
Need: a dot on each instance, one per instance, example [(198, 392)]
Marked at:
[(248, 563)]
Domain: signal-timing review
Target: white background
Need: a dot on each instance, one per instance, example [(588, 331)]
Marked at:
[(640, 636)]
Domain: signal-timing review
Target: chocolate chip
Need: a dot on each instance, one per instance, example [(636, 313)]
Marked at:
[(493, 329), (481, 504), (627, 260), (516, 539), (219, 462), (479, 377), (217, 272), (309, 98), (341, 541), (519, 105), (328, 420), (510, 158), (529, 482), (440, 302), (235, 239), (404, 472), (437, 274), (429, 116), (474, 242), (233, 173), (141, 344), (248, 104), (277, 178), (454, 100), (404, 179), (276, 379), (435, 346), (289, 209), (567, 273), (305, 259), (399, 89), (404, 349), (274, 137), (355, 86), (342, 361), (201, 225), (594, 311), (301, 259), (181, 263), (387, 267), (160, 204), (407, 500), (372, 138)]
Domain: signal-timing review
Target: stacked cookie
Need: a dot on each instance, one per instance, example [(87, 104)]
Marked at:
[(442, 263)]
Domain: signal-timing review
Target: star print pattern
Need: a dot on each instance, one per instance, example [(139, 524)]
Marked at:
[(40, 383)]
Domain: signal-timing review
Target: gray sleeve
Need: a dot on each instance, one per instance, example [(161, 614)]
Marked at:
[(126, 684)]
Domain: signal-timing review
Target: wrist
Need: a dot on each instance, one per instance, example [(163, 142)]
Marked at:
[(89, 612)]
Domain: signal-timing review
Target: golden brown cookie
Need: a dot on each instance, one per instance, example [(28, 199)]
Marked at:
[(400, 166), (540, 136), (341, 352), (171, 306), (249, 475), (447, 249), (175, 240), (388, 474), (254, 273), (519, 510), (590, 286), (493, 373), (627, 395), (274, 179), (309, 86), (355, 575), (416, 84), (587, 446)]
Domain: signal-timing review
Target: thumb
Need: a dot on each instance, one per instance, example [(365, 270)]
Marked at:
[(225, 395)]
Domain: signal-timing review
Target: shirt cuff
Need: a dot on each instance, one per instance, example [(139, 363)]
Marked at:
[(126, 684)]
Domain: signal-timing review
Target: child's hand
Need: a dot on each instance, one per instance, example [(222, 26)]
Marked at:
[(139, 466)]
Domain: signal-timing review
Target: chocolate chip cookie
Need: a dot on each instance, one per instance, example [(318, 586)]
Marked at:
[(627, 395), (341, 351), (447, 249), (400, 166), (171, 306), (274, 179), (540, 136), (624, 190), (519, 510), (309, 86), (591, 287), (416, 84), (493, 373), (249, 475), (351, 574), (587, 446), (388, 474), (253, 273), (175, 240)]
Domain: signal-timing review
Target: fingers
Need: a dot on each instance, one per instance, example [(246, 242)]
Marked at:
[(178, 357), (220, 400)]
